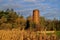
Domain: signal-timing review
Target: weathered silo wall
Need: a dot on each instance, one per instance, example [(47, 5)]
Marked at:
[(36, 16), (36, 19)]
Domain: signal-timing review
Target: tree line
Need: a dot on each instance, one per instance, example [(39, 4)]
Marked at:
[(9, 19)]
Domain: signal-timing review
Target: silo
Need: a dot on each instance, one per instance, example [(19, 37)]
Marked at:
[(36, 18)]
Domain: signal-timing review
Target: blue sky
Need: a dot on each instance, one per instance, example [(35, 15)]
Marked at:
[(48, 8)]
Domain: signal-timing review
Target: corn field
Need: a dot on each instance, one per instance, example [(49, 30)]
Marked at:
[(16, 34)]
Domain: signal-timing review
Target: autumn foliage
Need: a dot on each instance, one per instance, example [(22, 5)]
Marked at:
[(14, 26)]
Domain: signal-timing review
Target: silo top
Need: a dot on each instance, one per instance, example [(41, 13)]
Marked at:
[(35, 10)]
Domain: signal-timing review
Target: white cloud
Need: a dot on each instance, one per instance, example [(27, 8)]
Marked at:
[(53, 12), (11, 5), (11, 0), (30, 0), (34, 0), (23, 10)]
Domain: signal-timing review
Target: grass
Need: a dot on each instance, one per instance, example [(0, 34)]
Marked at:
[(17, 34), (58, 33)]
